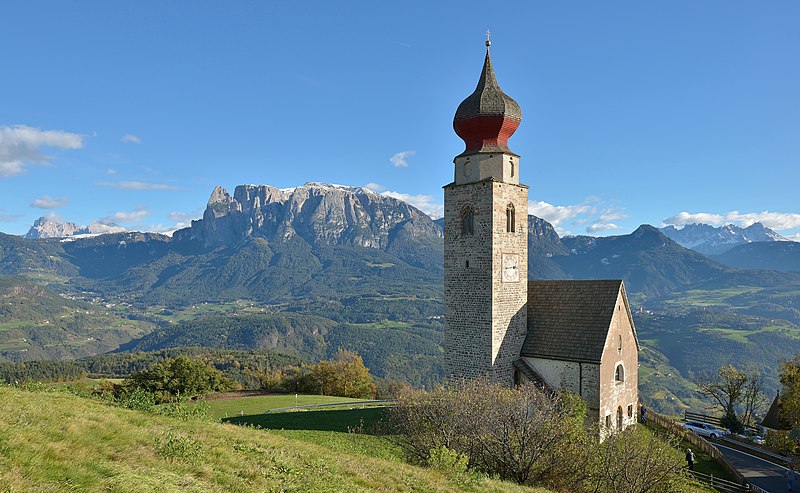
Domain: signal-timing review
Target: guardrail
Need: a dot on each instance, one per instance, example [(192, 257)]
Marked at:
[(381, 403), (699, 442), (721, 484)]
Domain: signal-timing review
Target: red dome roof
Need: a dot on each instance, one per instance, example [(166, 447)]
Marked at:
[(488, 117)]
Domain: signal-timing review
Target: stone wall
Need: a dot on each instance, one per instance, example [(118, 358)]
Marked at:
[(623, 395), (486, 315)]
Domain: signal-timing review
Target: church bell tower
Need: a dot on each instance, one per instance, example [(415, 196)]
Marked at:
[(485, 239)]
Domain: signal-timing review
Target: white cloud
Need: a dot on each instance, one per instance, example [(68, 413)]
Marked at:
[(400, 159), (111, 171), (48, 202), (21, 146), (425, 203), (773, 220), (125, 217), (8, 218), (597, 227), (181, 220), (131, 139), (684, 218), (592, 211), (558, 214), (135, 185), (375, 187)]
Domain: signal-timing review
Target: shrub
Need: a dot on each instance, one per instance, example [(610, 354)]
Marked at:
[(178, 377), (523, 434), (781, 442)]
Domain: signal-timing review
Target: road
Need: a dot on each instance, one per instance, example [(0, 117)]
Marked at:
[(758, 471)]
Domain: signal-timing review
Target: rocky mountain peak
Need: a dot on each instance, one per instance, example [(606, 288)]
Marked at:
[(316, 213), (52, 227), (713, 240)]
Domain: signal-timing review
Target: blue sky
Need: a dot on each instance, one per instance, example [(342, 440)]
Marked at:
[(633, 112)]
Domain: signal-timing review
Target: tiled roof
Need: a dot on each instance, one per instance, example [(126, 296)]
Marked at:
[(569, 320), (488, 99)]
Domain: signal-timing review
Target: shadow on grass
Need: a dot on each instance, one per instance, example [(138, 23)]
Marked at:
[(334, 420)]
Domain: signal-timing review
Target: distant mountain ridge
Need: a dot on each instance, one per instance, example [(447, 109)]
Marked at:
[(713, 240), (774, 255), (48, 227), (319, 214)]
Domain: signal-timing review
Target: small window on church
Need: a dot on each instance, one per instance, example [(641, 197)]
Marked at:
[(630, 410), (619, 374), (608, 421), (510, 220), (466, 264), (512, 169), (467, 221), (619, 344)]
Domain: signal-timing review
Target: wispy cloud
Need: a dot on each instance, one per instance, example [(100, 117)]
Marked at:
[(598, 227), (375, 187), (592, 213), (21, 146), (48, 202), (425, 203), (135, 185), (131, 139), (125, 217), (400, 159), (182, 219), (111, 171), (773, 220), (8, 218)]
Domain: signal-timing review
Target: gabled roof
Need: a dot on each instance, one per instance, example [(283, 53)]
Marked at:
[(569, 320), (772, 419)]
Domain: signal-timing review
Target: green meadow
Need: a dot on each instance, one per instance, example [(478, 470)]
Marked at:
[(58, 442)]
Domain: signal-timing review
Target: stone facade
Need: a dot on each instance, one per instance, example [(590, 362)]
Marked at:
[(619, 398), (486, 270), (575, 335)]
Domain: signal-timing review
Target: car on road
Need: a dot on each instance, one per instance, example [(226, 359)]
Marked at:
[(706, 430)]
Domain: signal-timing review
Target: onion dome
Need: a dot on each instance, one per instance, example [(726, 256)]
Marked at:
[(488, 117)]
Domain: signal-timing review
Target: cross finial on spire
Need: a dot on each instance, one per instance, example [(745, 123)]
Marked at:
[(488, 38)]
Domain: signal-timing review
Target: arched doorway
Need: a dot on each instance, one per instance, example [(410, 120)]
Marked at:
[(619, 418)]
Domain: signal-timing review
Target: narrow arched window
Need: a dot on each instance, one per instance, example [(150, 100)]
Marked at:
[(510, 222), (467, 221), (619, 374), (619, 344), (512, 169)]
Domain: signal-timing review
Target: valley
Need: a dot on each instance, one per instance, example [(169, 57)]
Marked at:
[(321, 268)]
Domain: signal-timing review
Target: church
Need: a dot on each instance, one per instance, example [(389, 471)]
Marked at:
[(575, 335)]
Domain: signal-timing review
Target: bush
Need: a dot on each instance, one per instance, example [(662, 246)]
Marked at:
[(178, 377), (635, 462), (522, 434), (446, 460), (781, 442)]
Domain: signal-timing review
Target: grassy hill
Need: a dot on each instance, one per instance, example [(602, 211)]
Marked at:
[(54, 441)]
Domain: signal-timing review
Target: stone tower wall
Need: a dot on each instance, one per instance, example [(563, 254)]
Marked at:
[(486, 316)]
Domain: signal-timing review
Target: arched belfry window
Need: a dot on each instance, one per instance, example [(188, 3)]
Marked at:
[(510, 222), (619, 374), (467, 220)]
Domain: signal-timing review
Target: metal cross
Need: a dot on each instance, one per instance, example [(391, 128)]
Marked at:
[(488, 36)]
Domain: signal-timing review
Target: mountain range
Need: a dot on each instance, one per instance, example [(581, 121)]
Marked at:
[(50, 227), (715, 240), (320, 267)]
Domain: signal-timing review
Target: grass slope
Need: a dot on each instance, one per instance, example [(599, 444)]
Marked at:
[(58, 442)]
